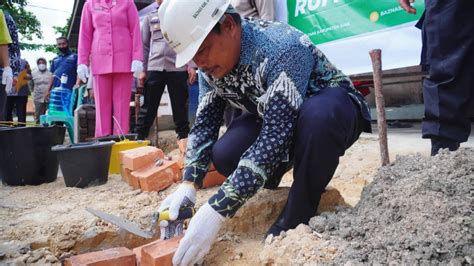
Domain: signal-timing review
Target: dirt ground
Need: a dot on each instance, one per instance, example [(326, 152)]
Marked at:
[(43, 224)]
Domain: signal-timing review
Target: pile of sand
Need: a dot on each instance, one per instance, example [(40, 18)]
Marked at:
[(417, 210)]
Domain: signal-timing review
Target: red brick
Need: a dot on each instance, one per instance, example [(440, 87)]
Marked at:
[(109, 257), (160, 253), (212, 179), (180, 162), (128, 177), (211, 167), (182, 144), (133, 181), (138, 250), (137, 158), (125, 173), (179, 176), (157, 178)]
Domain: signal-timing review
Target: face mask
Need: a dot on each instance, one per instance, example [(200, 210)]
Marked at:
[(64, 50), (42, 67)]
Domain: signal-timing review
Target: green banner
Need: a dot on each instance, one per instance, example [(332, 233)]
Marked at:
[(329, 20)]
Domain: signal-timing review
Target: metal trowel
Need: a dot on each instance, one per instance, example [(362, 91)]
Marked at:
[(184, 213)]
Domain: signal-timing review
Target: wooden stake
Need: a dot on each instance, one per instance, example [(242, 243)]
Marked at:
[(376, 57)]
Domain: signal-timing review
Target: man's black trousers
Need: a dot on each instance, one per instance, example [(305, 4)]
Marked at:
[(17, 103), (328, 124), (448, 30), (178, 91)]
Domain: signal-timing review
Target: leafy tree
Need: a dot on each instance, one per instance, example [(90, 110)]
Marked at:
[(60, 31), (63, 31), (29, 26), (27, 23)]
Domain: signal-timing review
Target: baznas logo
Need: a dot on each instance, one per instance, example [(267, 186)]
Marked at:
[(374, 16), (311, 5)]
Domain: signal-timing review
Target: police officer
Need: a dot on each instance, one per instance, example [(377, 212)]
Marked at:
[(160, 71), (448, 38)]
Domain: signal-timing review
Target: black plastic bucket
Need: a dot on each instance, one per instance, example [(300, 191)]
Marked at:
[(26, 157), (84, 164), (117, 138)]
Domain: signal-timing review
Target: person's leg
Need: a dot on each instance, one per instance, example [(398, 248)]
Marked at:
[(103, 104), (447, 90), (178, 89), (21, 108), (122, 91), (230, 114), (327, 125), (240, 135), (3, 102), (9, 108), (42, 110), (154, 87), (38, 108)]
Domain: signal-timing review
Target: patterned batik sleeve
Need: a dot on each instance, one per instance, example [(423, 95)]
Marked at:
[(14, 47), (287, 78), (204, 133)]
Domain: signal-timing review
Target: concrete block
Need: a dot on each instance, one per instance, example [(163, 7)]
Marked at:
[(212, 179), (157, 178), (160, 253), (109, 257), (137, 158)]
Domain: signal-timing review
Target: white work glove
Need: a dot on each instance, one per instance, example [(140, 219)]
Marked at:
[(83, 72), (7, 78), (198, 239), (184, 196), (137, 68)]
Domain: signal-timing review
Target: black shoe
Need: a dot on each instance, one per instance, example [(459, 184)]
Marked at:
[(438, 143), (276, 228), (272, 183)]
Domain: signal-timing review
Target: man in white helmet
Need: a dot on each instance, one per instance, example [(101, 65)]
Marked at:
[(300, 111)]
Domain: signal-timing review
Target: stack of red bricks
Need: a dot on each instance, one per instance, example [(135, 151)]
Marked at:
[(147, 169), (159, 252)]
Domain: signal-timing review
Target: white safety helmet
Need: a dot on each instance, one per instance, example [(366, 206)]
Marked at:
[(186, 23)]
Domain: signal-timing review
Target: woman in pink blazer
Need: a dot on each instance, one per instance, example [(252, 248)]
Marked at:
[(110, 37)]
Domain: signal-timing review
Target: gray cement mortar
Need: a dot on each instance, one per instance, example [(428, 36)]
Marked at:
[(416, 211)]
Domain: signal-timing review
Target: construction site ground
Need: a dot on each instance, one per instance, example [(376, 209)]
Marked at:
[(416, 210)]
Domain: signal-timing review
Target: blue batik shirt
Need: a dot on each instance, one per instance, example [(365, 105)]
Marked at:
[(14, 53), (279, 68), (64, 64)]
